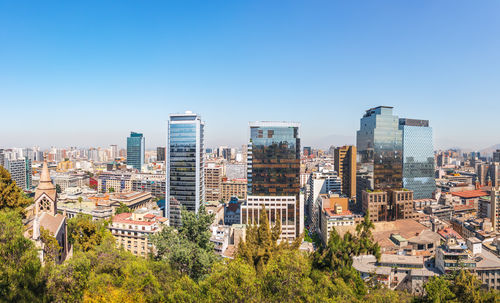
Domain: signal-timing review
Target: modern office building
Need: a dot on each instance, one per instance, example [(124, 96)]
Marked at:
[(496, 156), (418, 157), (20, 171), (274, 159), (380, 148), (136, 145), (345, 165), (273, 164), (160, 154), (185, 161), (2, 157)]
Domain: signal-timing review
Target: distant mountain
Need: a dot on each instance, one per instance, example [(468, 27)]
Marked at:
[(489, 151)]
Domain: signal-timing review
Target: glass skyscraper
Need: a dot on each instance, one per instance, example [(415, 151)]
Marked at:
[(418, 157), (379, 144), (274, 159), (136, 145), (184, 159)]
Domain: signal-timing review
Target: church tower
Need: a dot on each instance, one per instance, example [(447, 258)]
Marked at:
[(45, 194)]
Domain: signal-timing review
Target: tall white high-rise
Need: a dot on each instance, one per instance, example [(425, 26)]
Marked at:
[(185, 164)]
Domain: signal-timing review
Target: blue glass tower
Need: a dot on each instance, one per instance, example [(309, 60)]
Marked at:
[(184, 159), (418, 157), (136, 145), (379, 143)]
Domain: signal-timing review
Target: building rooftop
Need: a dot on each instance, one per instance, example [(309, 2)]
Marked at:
[(467, 194), (400, 259)]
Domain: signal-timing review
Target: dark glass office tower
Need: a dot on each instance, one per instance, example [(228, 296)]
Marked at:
[(274, 159), (418, 157), (379, 144), (160, 154), (184, 161), (136, 145)]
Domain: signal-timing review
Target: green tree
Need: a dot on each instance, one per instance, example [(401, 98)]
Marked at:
[(111, 190), (51, 247), (437, 290), (11, 196), (58, 189), (85, 234), (261, 242), (188, 249), (67, 282), (20, 267), (123, 208)]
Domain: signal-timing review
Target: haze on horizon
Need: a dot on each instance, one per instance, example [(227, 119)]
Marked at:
[(86, 74)]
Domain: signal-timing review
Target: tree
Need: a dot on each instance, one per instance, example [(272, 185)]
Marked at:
[(261, 242), (20, 275), (11, 196), (51, 247), (111, 190), (58, 189), (437, 290), (123, 208), (188, 249), (85, 234)]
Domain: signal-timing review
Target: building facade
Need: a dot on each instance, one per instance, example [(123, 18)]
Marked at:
[(345, 165), (418, 157), (136, 147), (185, 161), (380, 147), (160, 154), (234, 188), (273, 163), (213, 182), (20, 171)]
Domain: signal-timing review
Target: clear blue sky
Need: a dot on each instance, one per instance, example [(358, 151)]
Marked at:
[(86, 73)]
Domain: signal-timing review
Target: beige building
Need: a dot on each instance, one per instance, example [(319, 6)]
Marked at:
[(132, 230), (389, 205), (376, 203), (495, 209), (119, 182), (345, 165), (234, 188), (213, 182), (277, 207)]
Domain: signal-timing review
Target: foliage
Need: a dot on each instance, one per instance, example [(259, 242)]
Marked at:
[(188, 249), (11, 196), (58, 189), (20, 267), (460, 286), (123, 208), (51, 247), (111, 190), (85, 234), (261, 242)]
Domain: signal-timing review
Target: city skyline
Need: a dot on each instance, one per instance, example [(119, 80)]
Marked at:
[(322, 65)]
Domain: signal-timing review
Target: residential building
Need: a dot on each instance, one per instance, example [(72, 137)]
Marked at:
[(114, 181), (185, 161), (132, 231), (345, 165), (332, 217), (20, 171), (232, 211), (495, 209), (234, 188), (213, 182), (152, 183), (136, 147), (236, 171), (418, 157), (380, 148), (388, 205)]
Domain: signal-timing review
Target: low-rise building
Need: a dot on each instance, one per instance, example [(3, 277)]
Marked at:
[(234, 188), (132, 231), (333, 217)]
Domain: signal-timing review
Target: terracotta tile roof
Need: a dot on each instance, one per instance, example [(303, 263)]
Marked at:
[(448, 232), (470, 193), (463, 207), (331, 212), (51, 223), (149, 216)]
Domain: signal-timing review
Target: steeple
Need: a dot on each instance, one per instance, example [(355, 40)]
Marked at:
[(47, 188)]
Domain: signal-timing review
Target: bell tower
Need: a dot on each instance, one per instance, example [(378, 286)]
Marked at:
[(45, 194)]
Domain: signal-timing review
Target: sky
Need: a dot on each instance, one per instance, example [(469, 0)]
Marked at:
[(86, 73)]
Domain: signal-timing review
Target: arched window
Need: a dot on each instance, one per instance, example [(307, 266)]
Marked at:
[(44, 204)]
